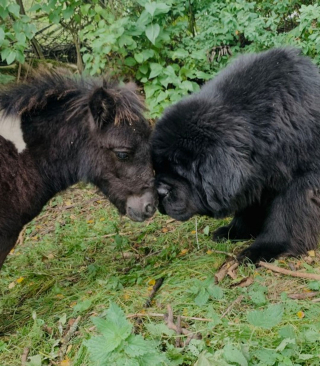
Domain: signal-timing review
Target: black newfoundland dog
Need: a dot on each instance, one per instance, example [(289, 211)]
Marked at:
[(247, 145)]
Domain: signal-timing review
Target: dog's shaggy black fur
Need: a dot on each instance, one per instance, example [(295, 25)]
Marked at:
[(248, 145), (72, 130)]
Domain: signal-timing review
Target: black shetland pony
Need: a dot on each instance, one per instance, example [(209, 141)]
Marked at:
[(56, 131)]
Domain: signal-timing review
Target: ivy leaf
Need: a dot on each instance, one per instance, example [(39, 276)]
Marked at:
[(139, 57), (152, 32), (267, 318), (232, 354), (68, 12), (130, 61), (151, 8)]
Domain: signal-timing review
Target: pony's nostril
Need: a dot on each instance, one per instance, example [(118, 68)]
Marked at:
[(149, 208)]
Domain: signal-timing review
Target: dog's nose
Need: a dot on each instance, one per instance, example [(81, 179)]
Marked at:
[(162, 191)]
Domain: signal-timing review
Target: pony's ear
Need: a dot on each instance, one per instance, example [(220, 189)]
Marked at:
[(102, 107)]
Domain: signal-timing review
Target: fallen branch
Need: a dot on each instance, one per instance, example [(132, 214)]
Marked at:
[(274, 268), (223, 271), (65, 340), (24, 356), (155, 288), (236, 301), (304, 295)]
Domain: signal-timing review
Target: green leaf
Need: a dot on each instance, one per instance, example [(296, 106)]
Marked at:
[(157, 330), (266, 356), (137, 346), (215, 291), (152, 32), (68, 12), (82, 306), (130, 61), (11, 57), (267, 318), (156, 69), (206, 230), (151, 89), (202, 297), (151, 7), (207, 359), (3, 12), (147, 54), (34, 361), (139, 57), (98, 348), (180, 54), (257, 294), (14, 9), (2, 34), (20, 56), (143, 68), (54, 17), (232, 354)]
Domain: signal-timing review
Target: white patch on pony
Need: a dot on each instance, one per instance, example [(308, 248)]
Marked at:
[(10, 129)]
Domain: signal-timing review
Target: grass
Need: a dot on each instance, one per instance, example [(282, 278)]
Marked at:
[(79, 256)]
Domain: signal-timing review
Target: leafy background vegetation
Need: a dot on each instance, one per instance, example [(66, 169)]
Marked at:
[(70, 289)]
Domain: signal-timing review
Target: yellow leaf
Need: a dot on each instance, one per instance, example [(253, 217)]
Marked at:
[(193, 232), (126, 296), (152, 282), (209, 251), (34, 238), (59, 296), (311, 253), (65, 362), (184, 252), (300, 314), (73, 217), (99, 201), (11, 285), (102, 219), (164, 230), (11, 251), (74, 303), (68, 203), (20, 279), (90, 221)]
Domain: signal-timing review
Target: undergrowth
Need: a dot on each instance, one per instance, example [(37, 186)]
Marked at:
[(73, 292)]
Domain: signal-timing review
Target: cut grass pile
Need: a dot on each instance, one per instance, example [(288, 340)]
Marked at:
[(79, 261)]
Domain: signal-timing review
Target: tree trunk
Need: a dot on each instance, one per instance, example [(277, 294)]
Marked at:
[(35, 45), (79, 58)]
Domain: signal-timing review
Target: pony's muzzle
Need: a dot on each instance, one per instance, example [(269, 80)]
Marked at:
[(140, 208)]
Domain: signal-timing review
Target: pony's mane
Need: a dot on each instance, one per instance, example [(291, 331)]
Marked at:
[(74, 92)]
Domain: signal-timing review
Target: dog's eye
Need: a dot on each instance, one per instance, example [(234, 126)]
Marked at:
[(122, 155)]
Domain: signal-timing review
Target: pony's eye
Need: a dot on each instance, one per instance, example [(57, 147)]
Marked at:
[(122, 155)]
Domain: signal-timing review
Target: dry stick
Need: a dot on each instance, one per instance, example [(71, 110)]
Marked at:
[(290, 273), (155, 288), (158, 315), (168, 318), (67, 337), (179, 331), (236, 301), (24, 356), (304, 295)]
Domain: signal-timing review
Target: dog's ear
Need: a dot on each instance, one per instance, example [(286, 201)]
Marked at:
[(223, 174)]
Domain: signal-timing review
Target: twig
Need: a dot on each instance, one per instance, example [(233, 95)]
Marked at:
[(67, 337), (179, 331), (168, 318), (21, 236), (170, 221), (274, 268), (197, 234), (231, 272), (236, 301), (304, 295), (155, 288), (316, 300), (158, 315), (223, 271), (24, 356)]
